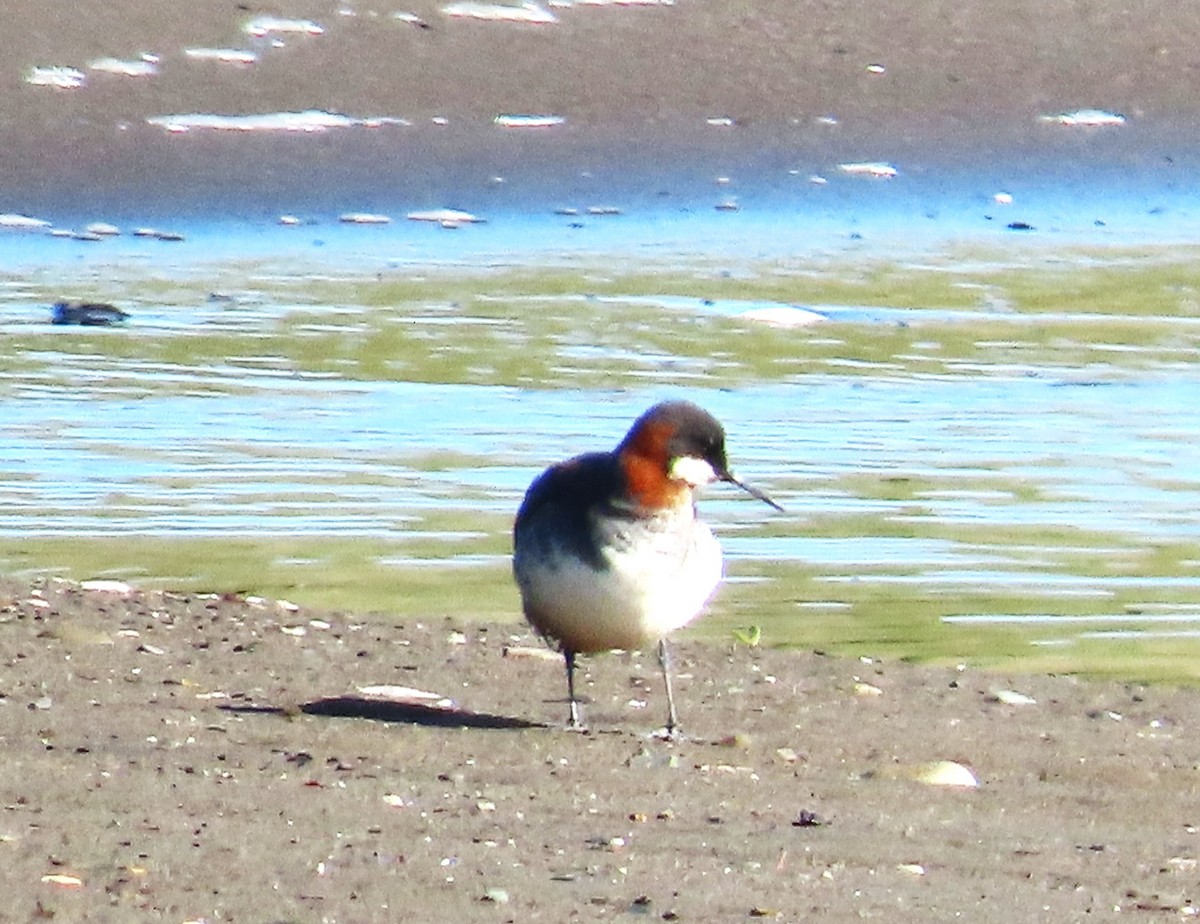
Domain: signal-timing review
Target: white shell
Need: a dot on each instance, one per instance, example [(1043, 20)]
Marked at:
[(945, 773), (1013, 698), (107, 587)]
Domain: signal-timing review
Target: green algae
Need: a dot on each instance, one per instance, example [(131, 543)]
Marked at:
[(566, 327), (1093, 314), (331, 573), (456, 563)]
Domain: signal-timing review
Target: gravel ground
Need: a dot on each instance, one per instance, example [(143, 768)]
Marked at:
[(182, 757)]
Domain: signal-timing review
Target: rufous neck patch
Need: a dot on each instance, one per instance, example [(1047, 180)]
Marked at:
[(644, 462)]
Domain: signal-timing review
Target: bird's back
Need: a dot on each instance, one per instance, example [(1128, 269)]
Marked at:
[(555, 519)]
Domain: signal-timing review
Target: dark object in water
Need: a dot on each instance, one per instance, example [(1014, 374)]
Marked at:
[(89, 314), (1020, 226)]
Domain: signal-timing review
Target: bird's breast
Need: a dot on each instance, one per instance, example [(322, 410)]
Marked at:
[(649, 577)]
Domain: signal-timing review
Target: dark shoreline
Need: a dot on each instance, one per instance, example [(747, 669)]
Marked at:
[(217, 175), (964, 90)]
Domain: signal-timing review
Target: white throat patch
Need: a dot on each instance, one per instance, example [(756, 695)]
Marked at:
[(693, 470)]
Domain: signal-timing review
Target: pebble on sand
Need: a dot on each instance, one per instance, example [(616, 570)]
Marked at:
[(102, 585), (408, 695), (944, 773), (1012, 698)]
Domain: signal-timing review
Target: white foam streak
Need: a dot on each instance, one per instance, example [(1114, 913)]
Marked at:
[(1085, 118), (445, 217), (310, 121), (222, 55), (784, 316), (364, 218), (10, 221), (500, 12), (528, 121), (60, 78), (872, 169), (570, 3), (261, 26), (145, 66)]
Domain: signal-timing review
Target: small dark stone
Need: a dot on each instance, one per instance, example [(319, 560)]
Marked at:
[(808, 819)]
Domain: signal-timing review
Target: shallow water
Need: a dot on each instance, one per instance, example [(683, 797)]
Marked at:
[(970, 435)]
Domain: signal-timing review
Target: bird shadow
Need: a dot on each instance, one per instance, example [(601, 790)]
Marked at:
[(360, 707)]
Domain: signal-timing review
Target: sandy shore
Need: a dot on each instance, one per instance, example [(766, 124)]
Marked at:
[(184, 758)]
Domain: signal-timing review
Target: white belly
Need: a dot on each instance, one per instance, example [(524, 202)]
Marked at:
[(648, 590)]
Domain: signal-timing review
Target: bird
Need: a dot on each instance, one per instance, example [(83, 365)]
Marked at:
[(89, 314), (608, 548)]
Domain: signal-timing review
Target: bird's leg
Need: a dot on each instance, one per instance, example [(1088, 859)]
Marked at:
[(664, 661), (575, 721)]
